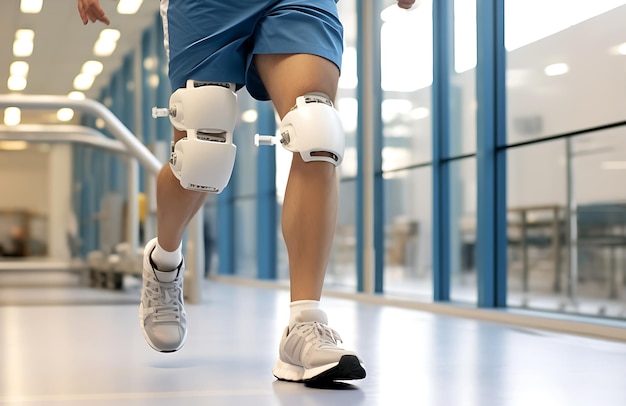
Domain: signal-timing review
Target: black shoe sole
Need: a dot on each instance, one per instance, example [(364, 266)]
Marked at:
[(348, 368)]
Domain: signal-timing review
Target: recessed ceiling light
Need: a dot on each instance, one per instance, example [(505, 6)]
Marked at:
[(104, 48), (16, 83), (153, 81), (556, 69), (621, 49), (109, 34), (22, 48), (31, 6), (12, 116), (128, 6), (25, 34), (65, 114), (83, 81), (93, 68), (106, 43), (19, 68), (75, 95)]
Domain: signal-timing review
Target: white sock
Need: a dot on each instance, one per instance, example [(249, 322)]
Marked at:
[(298, 306), (166, 260)]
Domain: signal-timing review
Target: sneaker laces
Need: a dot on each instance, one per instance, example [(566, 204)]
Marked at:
[(163, 298), (324, 336)]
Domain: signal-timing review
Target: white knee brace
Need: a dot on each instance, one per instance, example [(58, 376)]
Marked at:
[(204, 159), (313, 128)]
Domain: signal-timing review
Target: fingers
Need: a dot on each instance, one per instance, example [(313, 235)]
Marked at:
[(406, 4), (90, 10)]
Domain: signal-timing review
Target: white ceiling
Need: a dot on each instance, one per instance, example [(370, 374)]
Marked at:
[(63, 44)]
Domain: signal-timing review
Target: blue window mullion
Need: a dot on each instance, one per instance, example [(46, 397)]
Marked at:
[(266, 189), (442, 71), (491, 163)]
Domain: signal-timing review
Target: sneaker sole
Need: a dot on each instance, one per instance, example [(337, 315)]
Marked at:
[(348, 368)]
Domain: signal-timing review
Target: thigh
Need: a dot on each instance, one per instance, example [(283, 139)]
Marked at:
[(287, 76), (209, 40), (292, 27)]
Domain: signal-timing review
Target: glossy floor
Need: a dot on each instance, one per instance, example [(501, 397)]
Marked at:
[(94, 354)]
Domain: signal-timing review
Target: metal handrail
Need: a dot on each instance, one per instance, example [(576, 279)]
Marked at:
[(97, 109), (55, 133), (134, 147)]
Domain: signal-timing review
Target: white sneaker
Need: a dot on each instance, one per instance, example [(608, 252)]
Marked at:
[(309, 353), (161, 313)]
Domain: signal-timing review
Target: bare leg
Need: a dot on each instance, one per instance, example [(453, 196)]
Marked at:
[(310, 207), (175, 206)]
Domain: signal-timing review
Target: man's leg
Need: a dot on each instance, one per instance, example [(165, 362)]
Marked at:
[(175, 206), (162, 314), (310, 206), (308, 222)]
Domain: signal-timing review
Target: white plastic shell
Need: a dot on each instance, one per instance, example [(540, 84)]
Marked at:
[(204, 159), (314, 129)]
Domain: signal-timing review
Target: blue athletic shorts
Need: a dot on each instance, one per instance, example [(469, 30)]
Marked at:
[(214, 40)]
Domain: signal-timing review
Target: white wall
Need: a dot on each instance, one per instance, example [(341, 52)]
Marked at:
[(38, 180)]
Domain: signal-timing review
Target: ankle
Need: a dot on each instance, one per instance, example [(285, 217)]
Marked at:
[(299, 309), (166, 260)]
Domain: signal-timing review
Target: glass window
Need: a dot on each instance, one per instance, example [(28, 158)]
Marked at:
[(341, 270), (408, 231), (245, 238), (244, 182), (536, 206), (565, 70), (406, 79), (560, 262), (463, 80), (462, 233), (346, 102), (245, 171)]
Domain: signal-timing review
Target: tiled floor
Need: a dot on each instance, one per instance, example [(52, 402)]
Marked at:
[(94, 354)]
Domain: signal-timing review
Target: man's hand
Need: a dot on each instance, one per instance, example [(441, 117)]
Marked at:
[(406, 4), (90, 10)]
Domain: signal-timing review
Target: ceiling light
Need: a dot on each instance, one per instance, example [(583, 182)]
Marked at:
[(100, 123), (153, 81), (19, 68), (149, 63), (93, 68), (106, 43), (83, 81), (12, 116), (75, 95), (128, 6), (24, 34), (65, 114), (13, 145), (109, 34), (249, 116), (621, 49), (16, 83), (31, 6), (22, 48), (104, 48), (556, 69), (23, 45)]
